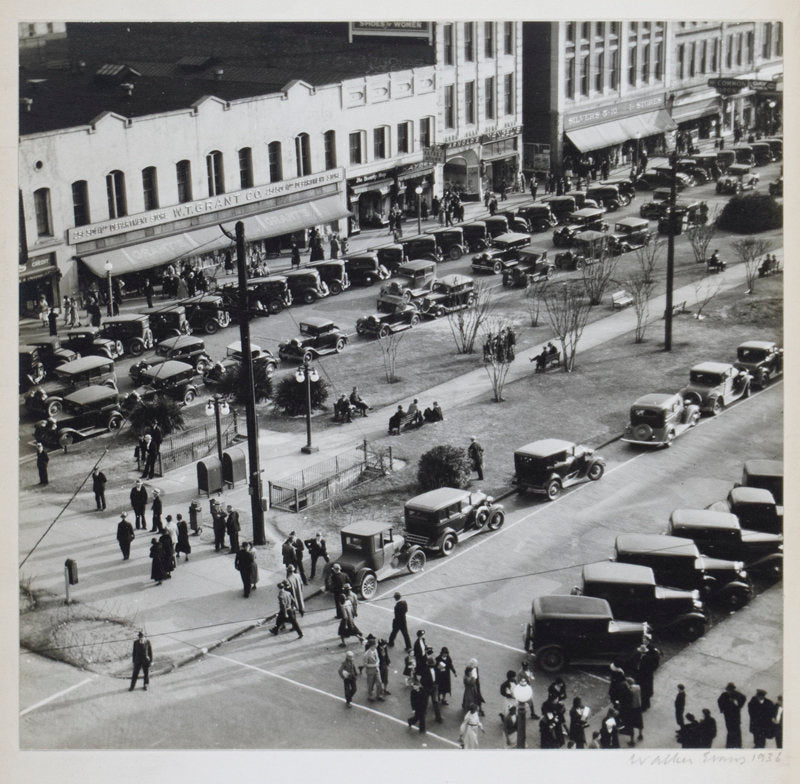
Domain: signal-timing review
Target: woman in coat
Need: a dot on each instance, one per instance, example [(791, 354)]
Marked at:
[(444, 666), (472, 687), (167, 553), (468, 732), (578, 724), (183, 545), (347, 626), (157, 572)]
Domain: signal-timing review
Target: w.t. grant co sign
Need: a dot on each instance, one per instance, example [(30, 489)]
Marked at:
[(613, 111)]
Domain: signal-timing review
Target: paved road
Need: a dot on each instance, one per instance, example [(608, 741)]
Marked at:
[(259, 692)]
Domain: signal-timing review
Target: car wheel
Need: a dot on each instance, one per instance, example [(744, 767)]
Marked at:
[(360, 328), (765, 378), (414, 320), (188, 396), (210, 327), (448, 544), (369, 280), (692, 629), (369, 586), (53, 408), (497, 267), (551, 658), (669, 438), (596, 471), (136, 347), (308, 356), (717, 406), (482, 517), (416, 562), (406, 296), (455, 252), (579, 264), (340, 344), (496, 519), (65, 440), (274, 307), (201, 366), (736, 599), (553, 489), (335, 287), (115, 422), (309, 297), (120, 348)]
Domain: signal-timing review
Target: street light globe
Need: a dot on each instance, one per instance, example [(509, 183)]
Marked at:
[(224, 408), (299, 375), (109, 266), (210, 408), (313, 375), (418, 190)]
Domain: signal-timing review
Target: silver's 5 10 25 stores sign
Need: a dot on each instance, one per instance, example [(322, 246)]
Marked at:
[(613, 111)]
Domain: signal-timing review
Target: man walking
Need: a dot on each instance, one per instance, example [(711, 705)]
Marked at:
[(475, 453), (232, 527), (419, 704), (42, 459), (296, 588), (297, 543), (125, 535), (348, 673), (399, 623), (99, 488), (142, 659), (427, 677), (139, 504), (338, 581), (370, 663), (534, 187), (218, 522), (244, 564), (287, 611), (761, 711), (288, 553), (730, 704), (149, 291), (317, 548), (420, 650), (680, 704), (156, 510)]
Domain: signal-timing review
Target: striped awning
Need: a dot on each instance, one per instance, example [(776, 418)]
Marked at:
[(595, 137)]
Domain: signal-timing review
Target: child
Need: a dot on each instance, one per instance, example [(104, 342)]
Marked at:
[(595, 744), (408, 669)]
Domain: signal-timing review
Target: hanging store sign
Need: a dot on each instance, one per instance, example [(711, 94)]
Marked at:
[(432, 155), (393, 29), (613, 111)]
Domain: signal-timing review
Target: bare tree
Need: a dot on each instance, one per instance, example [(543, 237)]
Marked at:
[(498, 354), (389, 347), (640, 285), (567, 310), (749, 250), (597, 275), (700, 236), (466, 323), (534, 296), (647, 258), (705, 289)]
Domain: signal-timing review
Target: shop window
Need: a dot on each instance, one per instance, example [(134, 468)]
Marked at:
[(703, 56), (614, 28), (357, 147), (469, 41), (584, 75), (739, 48), (329, 140), (41, 203), (586, 28), (403, 137), (246, 167), (634, 29), (613, 69), (469, 102), (448, 44), (632, 64), (215, 175), (380, 144), (183, 172), (488, 39), (692, 58), (508, 37), (508, 80), (115, 190), (302, 151), (449, 106), (489, 99), (570, 32), (425, 137), (275, 156), (569, 81), (714, 55), (150, 188), (599, 29), (599, 72), (80, 203)]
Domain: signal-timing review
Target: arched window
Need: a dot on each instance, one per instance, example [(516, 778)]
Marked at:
[(216, 178), (183, 171), (302, 148), (80, 202), (115, 189), (330, 149), (150, 188), (275, 162), (246, 167), (41, 203)]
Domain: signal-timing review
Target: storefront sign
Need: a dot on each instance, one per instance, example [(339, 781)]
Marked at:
[(505, 132), (362, 179), (202, 207), (414, 170), (613, 112), (728, 86), (392, 29), (433, 155), (37, 266)]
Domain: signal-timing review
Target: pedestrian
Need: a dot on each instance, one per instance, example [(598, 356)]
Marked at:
[(299, 549), (427, 677), (348, 674), (171, 529), (408, 668), (288, 553), (232, 528), (125, 535), (534, 187), (777, 722), (317, 548), (52, 320), (609, 731), (254, 565), (42, 459), (347, 624), (139, 504), (578, 722), (287, 611), (444, 668), (680, 704), (338, 579), (149, 454), (689, 733), (492, 205), (632, 716), (142, 659), (334, 242), (93, 309), (468, 731), (370, 663), (167, 550), (383, 665), (502, 189), (707, 730), (399, 623), (645, 665), (424, 209), (149, 292), (730, 704), (557, 691), (218, 523), (99, 488), (507, 693), (156, 510), (761, 712), (472, 686), (420, 647), (243, 563), (296, 588), (182, 545), (551, 726), (419, 704), (44, 309), (157, 571), (295, 255), (475, 454)]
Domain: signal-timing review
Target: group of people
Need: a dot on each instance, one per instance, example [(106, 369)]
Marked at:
[(549, 354), (449, 209), (346, 407), (500, 347), (413, 417)]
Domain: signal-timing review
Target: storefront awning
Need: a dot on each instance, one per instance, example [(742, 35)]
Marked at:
[(595, 137), (690, 111), (256, 227)]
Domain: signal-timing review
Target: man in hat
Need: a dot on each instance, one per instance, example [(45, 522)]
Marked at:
[(419, 704), (156, 510), (370, 663), (125, 535), (295, 588), (142, 659), (730, 704), (317, 548), (139, 504), (150, 454), (99, 488), (287, 611), (42, 459), (338, 581), (348, 674), (399, 623), (218, 523), (761, 711), (475, 453), (232, 527), (427, 677), (299, 548), (244, 565), (420, 650)]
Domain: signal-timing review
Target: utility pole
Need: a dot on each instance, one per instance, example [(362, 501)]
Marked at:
[(673, 161)]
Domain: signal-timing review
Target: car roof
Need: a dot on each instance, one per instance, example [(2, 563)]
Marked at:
[(92, 394), (480, 224), (703, 518), (567, 606), (632, 222), (613, 572), (315, 321), (444, 230), (371, 255), (712, 367), (662, 191), (550, 199), (765, 344), (545, 447), (82, 330), (587, 212), (167, 369), (657, 400), (179, 341), (512, 236), (237, 346), (589, 236), (27, 349), (436, 499), (171, 308), (417, 264), (263, 279), (202, 297), (299, 272), (738, 168), (751, 495), (656, 543), (455, 279), (495, 219), (46, 341), (323, 262), (759, 467), (365, 528), (83, 364), (390, 246), (124, 317)]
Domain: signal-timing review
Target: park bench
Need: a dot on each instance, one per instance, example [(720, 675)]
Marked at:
[(621, 299), (551, 361), (769, 267), (679, 307), (713, 266), (407, 422)]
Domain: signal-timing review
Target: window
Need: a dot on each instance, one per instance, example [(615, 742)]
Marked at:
[(449, 106), (569, 81), (586, 28), (681, 58), (598, 73), (150, 188), (599, 29), (570, 32), (508, 37), (692, 58), (41, 203), (115, 189), (714, 55), (584, 75), (488, 39), (739, 47), (183, 172), (214, 173), (302, 151), (80, 203), (634, 28), (659, 61), (469, 102), (632, 52), (766, 45), (246, 167), (508, 80), (329, 140), (379, 142), (614, 28), (751, 46), (703, 56), (425, 132), (729, 53), (403, 137), (357, 147), (448, 44), (779, 40), (489, 102), (469, 41), (275, 157), (613, 70), (646, 63)]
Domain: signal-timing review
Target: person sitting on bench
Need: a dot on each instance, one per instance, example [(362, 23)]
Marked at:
[(414, 414), (342, 410), (357, 401), (396, 420), (540, 360), (552, 351), (433, 413)]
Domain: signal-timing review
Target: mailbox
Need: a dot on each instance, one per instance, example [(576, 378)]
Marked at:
[(209, 475), (71, 569), (234, 465)]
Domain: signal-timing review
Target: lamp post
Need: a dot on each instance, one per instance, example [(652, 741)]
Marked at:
[(306, 374), (108, 267), (418, 191), (673, 162), (638, 153), (215, 406)]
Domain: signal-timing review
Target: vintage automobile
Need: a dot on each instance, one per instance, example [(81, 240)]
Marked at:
[(582, 220), (86, 341), (609, 197), (776, 147), (413, 282), (720, 535), (333, 273), (497, 225), (85, 413), (744, 154), (682, 180), (658, 419), (660, 178), (502, 255), (552, 465), (437, 520), (31, 368), (516, 222), (629, 234), (762, 359), (206, 312), (725, 158), (776, 188), (167, 321), (579, 630), (587, 248), (755, 507), (684, 215), (132, 330), (582, 202), (539, 216), (383, 324), (372, 551), (714, 385), (51, 353), (624, 185), (766, 474), (450, 242), (633, 594), (476, 237), (529, 268), (172, 378), (561, 207), (697, 174), (762, 153), (706, 161), (657, 206), (365, 269), (449, 294), (46, 399), (265, 295), (318, 336), (736, 179), (233, 358), (422, 247), (677, 562), (392, 257), (186, 348), (306, 285)]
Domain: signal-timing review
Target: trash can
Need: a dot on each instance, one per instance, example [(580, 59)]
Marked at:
[(195, 516), (234, 465), (209, 475)]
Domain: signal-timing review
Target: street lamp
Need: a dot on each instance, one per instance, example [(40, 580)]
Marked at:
[(418, 191), (108, 267), (215, 406), (306, 374), (638, 153)]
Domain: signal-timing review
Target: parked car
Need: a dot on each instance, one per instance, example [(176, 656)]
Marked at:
[(633, 594), (46, 399), (333, 273), (437, 520), (413, 282), (657, 206), (372, 551), (776, 188), (725, 158), (609, 197), (450, 242), (167, 321), (744, 154), (31, 368), (579, 630), (530, 267), (476, 236), (186, 348), (579, 221), (624, 185), (689, 166), (51, 353), (755, 508), (714, 385), (776, 148), (658, 419), (306, 285), (720, 535), (365, 269), (762, 153), (505, 250), (86, 341), (132, 330), (684, 215), (587, 248), (629, 234), (496, 225), (206, 312), (552, 465), (318, 336), (561, 207), (383, 324), (660, 178), (767, 474), (736, 179), (582, 202), (449, 294), (762, 359), (422, 247), (516, 222), (392, 257), (261, 358), (677, 562), (682, 180), (539, 216), (707, 161), (85, 413), (172, 378)]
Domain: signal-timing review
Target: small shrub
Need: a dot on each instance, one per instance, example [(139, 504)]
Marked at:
[(443, 466), (291, 395), (232, 385), (164, 410), (751, 213)]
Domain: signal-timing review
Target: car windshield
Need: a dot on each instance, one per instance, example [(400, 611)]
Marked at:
[(71, 407), (751, 354), (416, 515), (307, 329), (648, 416), (705, 379)]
